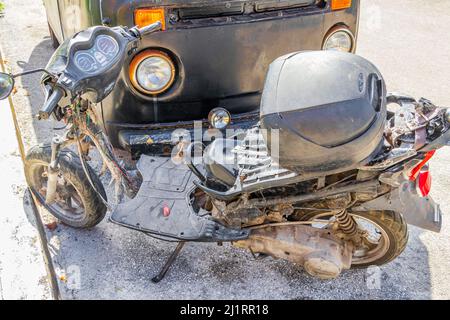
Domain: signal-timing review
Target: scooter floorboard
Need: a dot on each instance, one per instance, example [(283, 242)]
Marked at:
[(161, 206)]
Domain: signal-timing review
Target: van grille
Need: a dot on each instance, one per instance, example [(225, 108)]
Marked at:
[(228, 8), (274, 5), (217, 10)]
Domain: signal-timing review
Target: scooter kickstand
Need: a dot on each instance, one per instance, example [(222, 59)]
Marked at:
[(169, 262)]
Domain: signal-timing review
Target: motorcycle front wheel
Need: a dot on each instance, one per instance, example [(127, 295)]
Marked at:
[(77, 204), (387, 235)]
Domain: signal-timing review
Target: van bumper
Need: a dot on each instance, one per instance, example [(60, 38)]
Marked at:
[(159, 139)]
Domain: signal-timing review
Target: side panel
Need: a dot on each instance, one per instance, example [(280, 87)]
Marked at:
[(417, 211), (162, 179)]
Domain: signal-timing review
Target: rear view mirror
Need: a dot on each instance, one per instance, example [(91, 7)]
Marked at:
[(6, 85)]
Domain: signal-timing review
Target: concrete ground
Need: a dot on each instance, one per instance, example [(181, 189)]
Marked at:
[(406, 39), (22, 269)]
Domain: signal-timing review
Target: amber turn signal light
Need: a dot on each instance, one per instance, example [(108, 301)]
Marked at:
[(340, 4), (145, 16)]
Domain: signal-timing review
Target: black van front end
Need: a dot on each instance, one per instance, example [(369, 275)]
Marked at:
[(218, 53)]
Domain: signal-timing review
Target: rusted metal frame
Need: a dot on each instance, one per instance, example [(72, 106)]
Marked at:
[(123, 181), (313, 196), (119, 175)]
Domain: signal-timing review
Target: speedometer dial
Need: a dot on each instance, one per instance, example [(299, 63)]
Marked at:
[(99, 56), (85, 62), (107, 45)]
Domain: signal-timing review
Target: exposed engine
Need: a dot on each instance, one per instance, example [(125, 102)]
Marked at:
[(281, 205)]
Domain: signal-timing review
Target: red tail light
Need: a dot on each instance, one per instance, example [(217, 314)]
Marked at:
[(423, 182), (416, 170), (422, 176)]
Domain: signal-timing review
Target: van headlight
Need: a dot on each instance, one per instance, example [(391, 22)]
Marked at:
[(339, 39), (152, 72)]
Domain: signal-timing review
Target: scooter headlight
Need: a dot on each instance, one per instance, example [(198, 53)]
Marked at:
[(339, 39), (152, 72), (219, 118)]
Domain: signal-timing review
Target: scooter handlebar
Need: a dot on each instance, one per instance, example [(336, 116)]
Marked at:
[(58, 93), (51, 103), (157, 26), (140, 32)]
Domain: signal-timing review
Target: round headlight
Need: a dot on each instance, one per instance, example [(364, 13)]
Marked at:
[(340, 39), (152, 72), (219, 118)]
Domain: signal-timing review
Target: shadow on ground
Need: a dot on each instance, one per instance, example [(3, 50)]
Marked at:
[(31, 83)]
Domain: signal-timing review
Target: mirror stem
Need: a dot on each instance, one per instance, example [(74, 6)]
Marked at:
[(30, 72)]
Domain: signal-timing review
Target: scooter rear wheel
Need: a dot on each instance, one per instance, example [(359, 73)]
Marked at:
[(388, 235), (77, 204)]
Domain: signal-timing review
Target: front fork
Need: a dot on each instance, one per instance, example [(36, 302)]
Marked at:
[(119, 174), (53, 170)]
